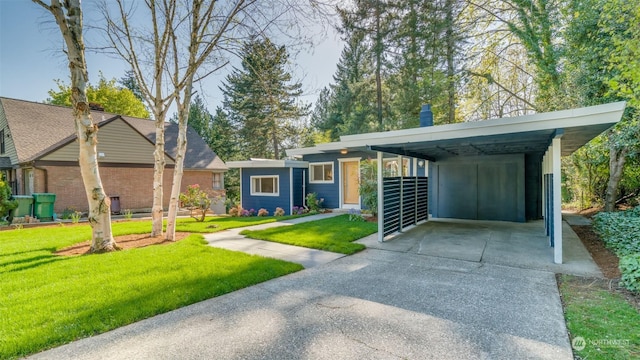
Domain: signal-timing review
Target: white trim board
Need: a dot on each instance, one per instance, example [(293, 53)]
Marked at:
[(574, 118)]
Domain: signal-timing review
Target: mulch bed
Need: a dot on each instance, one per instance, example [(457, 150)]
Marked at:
[(124, 242)]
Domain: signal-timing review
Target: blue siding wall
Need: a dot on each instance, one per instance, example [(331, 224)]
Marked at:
[(298, 188), (331, 192), (267, 202), (478, 188), (421, 169)]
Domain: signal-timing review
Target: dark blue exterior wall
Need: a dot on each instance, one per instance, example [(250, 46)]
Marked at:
[(533, 186), (479, 188), (267, 202), (331, 192), (299, 187)]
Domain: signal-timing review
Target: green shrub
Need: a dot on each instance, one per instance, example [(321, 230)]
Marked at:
[(6, 203), (67, 213), (195, 199), (630, 268), (75, 217), (620, 231), (368, 185), (313, 203)]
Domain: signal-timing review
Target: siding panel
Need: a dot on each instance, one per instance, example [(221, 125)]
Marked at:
[(118, 141), (267, 202), (331, 192), (10, 148), (298, 186)]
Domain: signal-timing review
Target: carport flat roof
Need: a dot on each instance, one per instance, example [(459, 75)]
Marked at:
[(514, 135)]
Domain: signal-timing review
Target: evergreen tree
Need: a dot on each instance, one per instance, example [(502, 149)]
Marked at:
[(129, 82), (223, 136), (200, 120), (371, 21), (262, 101)]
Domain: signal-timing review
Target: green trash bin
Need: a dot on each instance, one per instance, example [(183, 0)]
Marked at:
[(25, 203), (43, 206)]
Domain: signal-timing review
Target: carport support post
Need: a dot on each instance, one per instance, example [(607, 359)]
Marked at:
[(557, 200), (401, 221), (380, 199)]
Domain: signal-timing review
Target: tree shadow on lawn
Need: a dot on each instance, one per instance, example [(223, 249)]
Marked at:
[(108, 313), (47, 249), (30, 263)]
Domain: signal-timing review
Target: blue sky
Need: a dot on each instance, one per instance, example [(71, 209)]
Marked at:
[(31, 57)]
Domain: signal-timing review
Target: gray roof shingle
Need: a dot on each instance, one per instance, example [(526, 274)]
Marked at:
[(38, 129)]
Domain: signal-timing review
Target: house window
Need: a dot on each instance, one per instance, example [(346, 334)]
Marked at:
[(391, 167), (1, 141), (321, 172), (265, 185), (217, 181)]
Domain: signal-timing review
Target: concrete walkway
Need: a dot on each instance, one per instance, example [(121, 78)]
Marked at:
[(232, 240), (574, 219)]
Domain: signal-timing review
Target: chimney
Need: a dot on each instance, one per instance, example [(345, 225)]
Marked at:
[(96, 106), (426, 116)]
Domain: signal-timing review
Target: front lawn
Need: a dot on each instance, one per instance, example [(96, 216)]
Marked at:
[(333, 234), (48, 300), (602, 324), (214, 224)]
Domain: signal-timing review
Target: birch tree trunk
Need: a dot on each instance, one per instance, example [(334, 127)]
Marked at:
[(158, 180), (70, 25), (183, 116)]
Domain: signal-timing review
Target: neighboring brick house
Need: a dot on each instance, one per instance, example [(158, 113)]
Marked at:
[(39, 152)]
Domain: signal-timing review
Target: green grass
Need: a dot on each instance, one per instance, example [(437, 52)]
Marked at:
[(213, 224), (48, 300), (606, 321), (333, 234)]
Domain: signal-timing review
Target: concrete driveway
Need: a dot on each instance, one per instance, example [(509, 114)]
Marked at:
[(377, 304), (522, 245)]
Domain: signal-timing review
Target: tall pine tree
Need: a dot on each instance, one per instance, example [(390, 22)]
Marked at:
[(262, 100)]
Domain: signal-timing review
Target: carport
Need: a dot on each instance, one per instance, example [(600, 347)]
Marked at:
[(505, 169)]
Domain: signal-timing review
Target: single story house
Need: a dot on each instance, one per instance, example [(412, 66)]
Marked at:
[(505, 169), (39, 153)]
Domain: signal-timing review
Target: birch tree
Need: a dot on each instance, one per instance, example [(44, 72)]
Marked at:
[(189, 40), (69, 19)]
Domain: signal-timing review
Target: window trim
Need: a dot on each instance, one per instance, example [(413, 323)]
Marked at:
[(311, 172), (252, 189), (221, 182), (2, 142)]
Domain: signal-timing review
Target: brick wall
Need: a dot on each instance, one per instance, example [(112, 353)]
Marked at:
[(134, 186)]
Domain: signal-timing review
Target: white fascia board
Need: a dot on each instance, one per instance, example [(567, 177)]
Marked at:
[(576, 117), (601, 114), (268, 164), (593, 115)]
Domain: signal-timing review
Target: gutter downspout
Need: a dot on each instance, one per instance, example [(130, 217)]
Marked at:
[(46, 176)]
